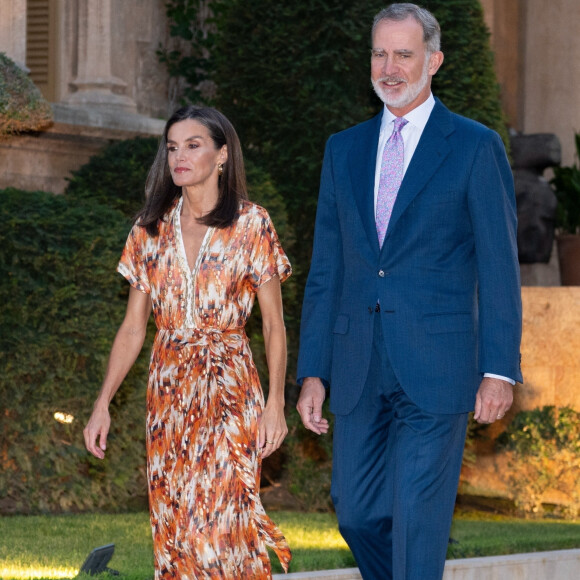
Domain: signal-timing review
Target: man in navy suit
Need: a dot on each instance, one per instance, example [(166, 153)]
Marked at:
[(414, 320)]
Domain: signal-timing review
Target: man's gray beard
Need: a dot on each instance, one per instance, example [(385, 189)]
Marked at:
[(409, 94)]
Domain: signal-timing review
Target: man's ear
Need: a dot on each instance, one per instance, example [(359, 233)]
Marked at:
[(435, 61)]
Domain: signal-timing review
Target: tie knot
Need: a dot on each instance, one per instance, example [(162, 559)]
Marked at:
[(399, 122)]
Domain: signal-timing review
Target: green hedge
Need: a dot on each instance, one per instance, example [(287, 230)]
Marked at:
[(61, 303), (116, 176)]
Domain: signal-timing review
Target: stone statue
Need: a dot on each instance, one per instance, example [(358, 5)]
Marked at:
[(536, 201)]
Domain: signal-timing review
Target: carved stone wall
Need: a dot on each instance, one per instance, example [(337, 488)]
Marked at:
[(103, 52), (109, 46), (105, 84)]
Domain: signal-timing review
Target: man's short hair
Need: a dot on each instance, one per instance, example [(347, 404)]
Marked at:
[(402, 11)]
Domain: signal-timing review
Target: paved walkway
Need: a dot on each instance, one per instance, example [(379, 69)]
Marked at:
[(557, 565)]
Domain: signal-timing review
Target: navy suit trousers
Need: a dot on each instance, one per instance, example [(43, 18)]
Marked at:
[(395, 476)]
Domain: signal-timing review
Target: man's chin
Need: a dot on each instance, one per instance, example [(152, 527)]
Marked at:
[(391, 98), (394, 101)]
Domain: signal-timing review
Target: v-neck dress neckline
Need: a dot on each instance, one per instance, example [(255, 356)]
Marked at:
[(190, 274)]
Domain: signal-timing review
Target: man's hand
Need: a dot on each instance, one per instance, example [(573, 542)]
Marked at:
[(494, 398), (309, 405)]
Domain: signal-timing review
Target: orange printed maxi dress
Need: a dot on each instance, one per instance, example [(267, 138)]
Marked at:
[(204, 397)]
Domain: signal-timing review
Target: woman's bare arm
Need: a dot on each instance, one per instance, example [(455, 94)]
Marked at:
[(126, 348), (273, 427)]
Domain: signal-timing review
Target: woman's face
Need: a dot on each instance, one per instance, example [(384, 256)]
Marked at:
[(192, 155)]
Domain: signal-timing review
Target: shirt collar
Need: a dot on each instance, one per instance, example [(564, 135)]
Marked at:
[(418, 117)]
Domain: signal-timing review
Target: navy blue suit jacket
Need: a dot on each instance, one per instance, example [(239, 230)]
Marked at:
[(447, 276)]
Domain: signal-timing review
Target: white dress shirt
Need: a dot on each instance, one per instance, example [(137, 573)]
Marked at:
[(411, 133)]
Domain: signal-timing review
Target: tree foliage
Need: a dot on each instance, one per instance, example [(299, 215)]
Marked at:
[(466, 82), (289, 74)]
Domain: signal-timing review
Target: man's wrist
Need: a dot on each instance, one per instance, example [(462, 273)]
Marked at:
[(501, 377)]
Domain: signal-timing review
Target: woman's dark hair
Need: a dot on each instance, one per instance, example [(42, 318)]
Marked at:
[(161, 192)]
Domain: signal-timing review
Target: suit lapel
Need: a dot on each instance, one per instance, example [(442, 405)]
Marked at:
[(362, 162), (430, 153)]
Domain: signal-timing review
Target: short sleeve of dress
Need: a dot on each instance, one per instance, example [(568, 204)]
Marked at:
[(132, 263), (268, 257)]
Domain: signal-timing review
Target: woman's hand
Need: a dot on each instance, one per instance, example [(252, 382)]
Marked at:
[(272, 429), (97, 428)]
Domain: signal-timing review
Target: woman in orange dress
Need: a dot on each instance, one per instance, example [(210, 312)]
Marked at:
[(198, 255)]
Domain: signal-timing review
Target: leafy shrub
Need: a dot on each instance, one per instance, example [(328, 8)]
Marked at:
[(61, 304), (22, 106), (262, 191), (308, 464), (116, 175), (566, 183), (301, 73), (466, 82), (545, 456), (475, 433)]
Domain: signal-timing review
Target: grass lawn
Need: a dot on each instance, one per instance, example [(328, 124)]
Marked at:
[(56, 546)]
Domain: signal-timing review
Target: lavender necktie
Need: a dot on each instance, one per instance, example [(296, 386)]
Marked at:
[(391, 177)]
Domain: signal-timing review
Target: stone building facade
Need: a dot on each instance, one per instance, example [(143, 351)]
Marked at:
[(91, 53)]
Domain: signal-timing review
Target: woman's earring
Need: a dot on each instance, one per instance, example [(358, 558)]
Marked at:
[(220, 168)]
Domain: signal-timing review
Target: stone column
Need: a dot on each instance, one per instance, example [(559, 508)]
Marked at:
[(95, 84), (13, 30)]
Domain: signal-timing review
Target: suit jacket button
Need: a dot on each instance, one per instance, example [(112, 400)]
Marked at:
[(382, 273)]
